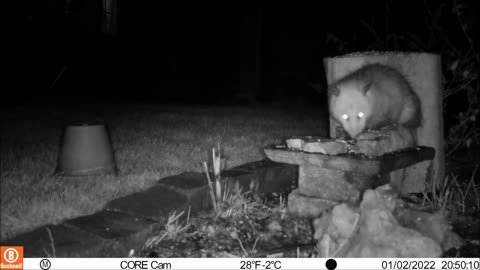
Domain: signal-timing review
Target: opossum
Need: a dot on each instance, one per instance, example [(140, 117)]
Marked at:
[(373, 97)]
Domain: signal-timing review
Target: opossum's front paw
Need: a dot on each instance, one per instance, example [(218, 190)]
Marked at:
[(368, 135), (372, 135), (373, 131)]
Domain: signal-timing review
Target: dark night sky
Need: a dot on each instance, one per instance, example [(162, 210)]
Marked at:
[(200, 52)]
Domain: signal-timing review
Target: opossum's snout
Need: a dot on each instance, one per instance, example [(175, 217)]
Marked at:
[(354, 131), (351, 109), (353, 126)]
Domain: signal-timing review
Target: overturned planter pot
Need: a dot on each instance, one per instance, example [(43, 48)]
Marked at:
[(85, 150)]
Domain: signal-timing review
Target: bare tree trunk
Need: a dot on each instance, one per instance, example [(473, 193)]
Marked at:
[(258, 54), (110, 13)]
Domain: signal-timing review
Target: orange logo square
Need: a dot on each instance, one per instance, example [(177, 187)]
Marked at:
[(11, 257)]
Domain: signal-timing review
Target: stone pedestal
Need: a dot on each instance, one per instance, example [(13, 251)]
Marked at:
[(327, 180)]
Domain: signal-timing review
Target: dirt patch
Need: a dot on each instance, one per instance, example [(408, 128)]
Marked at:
[(245, 227)]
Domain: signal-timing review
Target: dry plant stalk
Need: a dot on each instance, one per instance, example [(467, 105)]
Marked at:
[(215, 191), (216, 171), (212, 194)]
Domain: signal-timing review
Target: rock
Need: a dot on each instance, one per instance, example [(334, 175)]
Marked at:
[(434, 225), (344, 220), (378, 143), (308, 207), (318, 145), (373, 230), (331, 147), (334, 229), (379, 228), (274, 226), (295, 143)]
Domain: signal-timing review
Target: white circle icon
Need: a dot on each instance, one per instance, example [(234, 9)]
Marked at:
[(10, 255)]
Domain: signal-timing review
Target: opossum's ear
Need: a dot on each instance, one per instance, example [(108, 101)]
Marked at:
[(333, 91), (367, 86)]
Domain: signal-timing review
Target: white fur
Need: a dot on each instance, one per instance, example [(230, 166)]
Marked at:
[(381, 93)]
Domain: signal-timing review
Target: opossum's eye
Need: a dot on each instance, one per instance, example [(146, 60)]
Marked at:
[(345, 116), (360, 114)]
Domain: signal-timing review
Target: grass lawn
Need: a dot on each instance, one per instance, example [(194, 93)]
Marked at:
[(150, 142)]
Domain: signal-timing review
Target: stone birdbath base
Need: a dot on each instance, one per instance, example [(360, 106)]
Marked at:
[(325, 180)]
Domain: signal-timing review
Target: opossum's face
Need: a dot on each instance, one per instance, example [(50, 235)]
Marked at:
[(351, 109)]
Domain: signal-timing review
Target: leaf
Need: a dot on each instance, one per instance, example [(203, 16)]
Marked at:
[(454, 65), (468, 142)]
